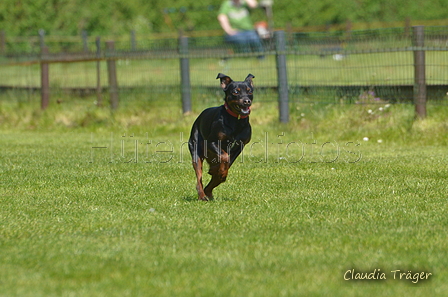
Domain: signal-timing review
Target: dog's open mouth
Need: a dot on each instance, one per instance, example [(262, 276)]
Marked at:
[(244, 110)]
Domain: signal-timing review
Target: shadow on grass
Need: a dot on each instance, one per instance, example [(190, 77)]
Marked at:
[(189, 198), (217, 199)]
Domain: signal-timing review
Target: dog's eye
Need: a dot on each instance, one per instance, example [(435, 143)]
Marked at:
[(235, 92)]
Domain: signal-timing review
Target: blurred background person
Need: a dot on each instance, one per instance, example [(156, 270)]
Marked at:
[(234, 18)]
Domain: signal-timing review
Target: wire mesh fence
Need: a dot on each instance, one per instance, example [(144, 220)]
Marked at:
[(340, 66)]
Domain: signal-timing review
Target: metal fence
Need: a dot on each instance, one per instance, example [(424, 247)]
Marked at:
[(342, 66)]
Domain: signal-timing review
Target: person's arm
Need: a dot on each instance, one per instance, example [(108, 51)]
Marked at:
[(252, 3), (225, 24)]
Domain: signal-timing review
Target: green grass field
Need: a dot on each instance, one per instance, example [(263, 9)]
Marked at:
[(309, 201)]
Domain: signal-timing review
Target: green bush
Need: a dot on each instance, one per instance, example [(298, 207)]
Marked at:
[(105, 17)]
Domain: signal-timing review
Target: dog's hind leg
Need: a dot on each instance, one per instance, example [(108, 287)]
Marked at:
[(219, 174), (197, 156), (197, 165)]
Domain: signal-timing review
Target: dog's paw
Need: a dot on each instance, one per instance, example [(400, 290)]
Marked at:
[(206, 198)]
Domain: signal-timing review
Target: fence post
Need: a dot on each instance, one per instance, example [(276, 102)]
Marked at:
[(99, 95), (112, 73), (42, 38), (2, 42), (185, 74), (84, 37), (44, 78), (407, 27), (133, 41), (348, 30), (419, 72), (283, 100)]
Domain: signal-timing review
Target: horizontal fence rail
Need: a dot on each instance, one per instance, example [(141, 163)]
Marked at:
[(394, 65)]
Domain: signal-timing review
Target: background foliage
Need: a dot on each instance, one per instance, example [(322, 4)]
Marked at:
[(70, 17)]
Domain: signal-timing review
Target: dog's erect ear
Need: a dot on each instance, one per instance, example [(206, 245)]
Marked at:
[(225, 80), (249, 79)]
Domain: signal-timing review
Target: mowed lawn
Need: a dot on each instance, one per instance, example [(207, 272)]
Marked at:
[(115, 214)]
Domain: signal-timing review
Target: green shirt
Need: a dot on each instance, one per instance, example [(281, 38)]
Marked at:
[(239, 17)]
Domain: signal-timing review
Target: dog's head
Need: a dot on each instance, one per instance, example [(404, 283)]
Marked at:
[(239, 94)]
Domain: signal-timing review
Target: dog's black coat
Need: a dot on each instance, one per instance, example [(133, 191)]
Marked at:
[(220, 133)]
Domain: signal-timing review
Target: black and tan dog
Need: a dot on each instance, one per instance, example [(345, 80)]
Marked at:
[(220, 133)]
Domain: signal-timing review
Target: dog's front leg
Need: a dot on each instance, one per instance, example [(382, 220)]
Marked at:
[(235, 150)]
